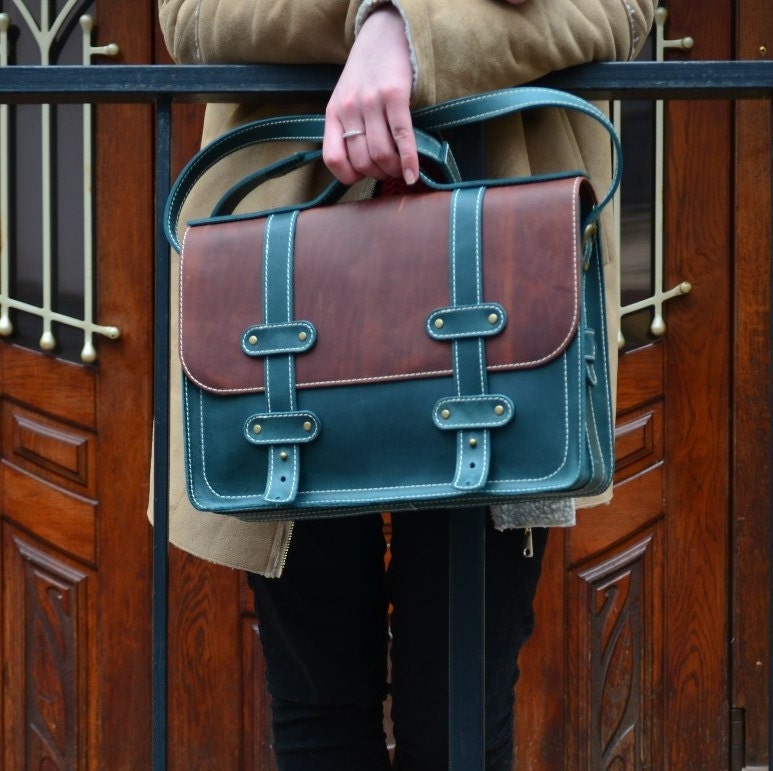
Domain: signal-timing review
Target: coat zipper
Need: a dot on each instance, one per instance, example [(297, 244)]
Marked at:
[(278, 557)]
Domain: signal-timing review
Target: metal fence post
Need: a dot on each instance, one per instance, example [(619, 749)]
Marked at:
[(161, 442), (467, 569)]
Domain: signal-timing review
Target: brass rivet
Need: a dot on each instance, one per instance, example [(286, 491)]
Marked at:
[(307, 425), (499, 409), (473, 442), (493, 318), (257, 428), (252, 339), (439, 323), (445, 414), (302, 336), (283, 455)]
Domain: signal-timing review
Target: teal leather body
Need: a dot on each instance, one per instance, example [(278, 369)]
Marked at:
[(446, 348)]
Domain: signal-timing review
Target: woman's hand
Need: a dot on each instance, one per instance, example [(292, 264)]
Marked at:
[(368, 127)]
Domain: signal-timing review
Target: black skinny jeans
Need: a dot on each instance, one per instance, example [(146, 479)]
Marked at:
[(323, 627)]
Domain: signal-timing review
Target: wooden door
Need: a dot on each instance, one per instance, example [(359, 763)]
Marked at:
[(630, 665), (75, 404), (751, 415)]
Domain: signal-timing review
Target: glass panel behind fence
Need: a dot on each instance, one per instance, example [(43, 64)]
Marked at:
[(47, 262), (640, 208)]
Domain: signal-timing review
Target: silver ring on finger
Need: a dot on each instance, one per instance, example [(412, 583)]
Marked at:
[(352, 133)]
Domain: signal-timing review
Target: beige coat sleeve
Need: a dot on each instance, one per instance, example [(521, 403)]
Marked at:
[(256, 31), (462, 47), (459, 46)]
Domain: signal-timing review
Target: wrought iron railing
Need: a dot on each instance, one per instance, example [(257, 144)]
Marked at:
[(162, 85)]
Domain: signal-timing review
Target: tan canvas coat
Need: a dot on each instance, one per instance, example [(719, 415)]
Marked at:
[(458, 47)]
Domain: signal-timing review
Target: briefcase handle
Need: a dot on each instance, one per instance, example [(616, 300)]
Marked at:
[(310, 128), (428, 147), (299, 128)]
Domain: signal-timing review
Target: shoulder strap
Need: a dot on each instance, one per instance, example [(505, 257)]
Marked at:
[(508, 101)]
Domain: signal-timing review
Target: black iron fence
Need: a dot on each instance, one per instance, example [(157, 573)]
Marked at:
[(161, 85)]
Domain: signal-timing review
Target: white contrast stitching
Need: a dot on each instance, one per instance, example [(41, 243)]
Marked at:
[(289, 361), (507, 109), (460, 310), (479, 399), (300, 347), (452, 269), (478, 286), (289, 271), (196, 34), (266, 268)]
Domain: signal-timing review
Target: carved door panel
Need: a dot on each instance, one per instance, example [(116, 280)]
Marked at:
[(75, 384), (628, 667)]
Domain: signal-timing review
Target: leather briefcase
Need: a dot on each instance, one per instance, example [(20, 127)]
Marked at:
[(446, 348)]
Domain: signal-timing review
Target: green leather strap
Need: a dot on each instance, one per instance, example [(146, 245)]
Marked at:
[(455, 413), (472, 412), (273, 339), (269, 428), (483, 320), (509, 101), (284, 425)]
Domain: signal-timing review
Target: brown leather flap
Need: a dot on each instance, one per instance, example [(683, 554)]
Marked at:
[(368, 274)]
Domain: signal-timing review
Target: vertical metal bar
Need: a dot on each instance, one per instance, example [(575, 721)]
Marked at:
[(466, 640), (47, 340), (737, 739), (88, 352), (770, 518), (161, 442), (6, 328), (467, 571)]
